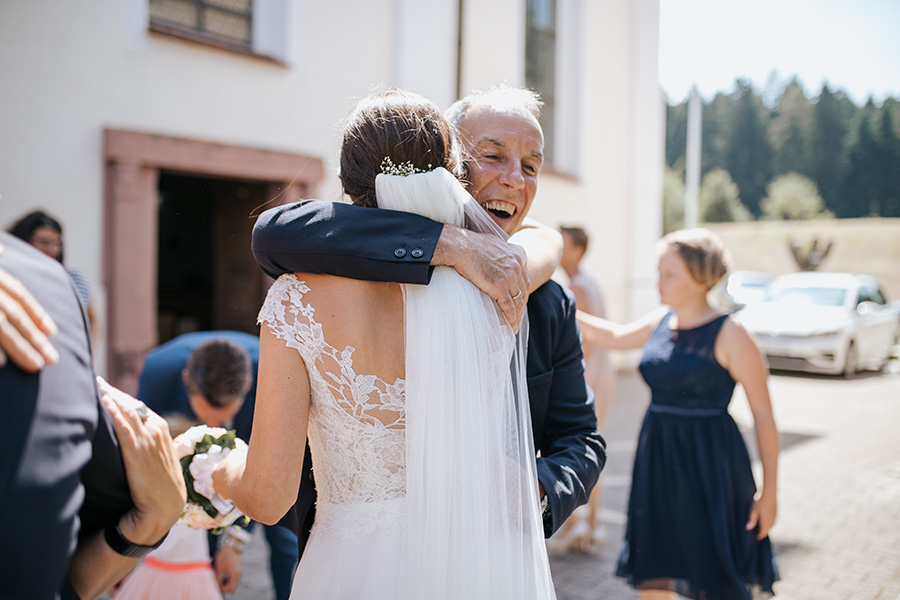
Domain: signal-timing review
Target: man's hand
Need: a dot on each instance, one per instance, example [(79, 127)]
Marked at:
[(495, 267), (227, 566), (24, 327), (153, 471)]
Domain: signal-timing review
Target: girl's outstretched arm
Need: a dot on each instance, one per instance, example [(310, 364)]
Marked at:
[(619, 337)]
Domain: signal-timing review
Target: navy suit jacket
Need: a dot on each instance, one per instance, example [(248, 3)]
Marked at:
[(61, 471), (384, 245), (162, 388)]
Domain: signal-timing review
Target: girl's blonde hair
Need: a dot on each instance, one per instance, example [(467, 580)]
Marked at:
[(703, 252)]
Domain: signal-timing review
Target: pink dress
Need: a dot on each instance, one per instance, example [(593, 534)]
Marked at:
[(180, 569)]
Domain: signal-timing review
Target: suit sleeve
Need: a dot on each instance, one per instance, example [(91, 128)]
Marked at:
[(372, 244), (107, 496), (59, 458), (572, 450), (155, 387)]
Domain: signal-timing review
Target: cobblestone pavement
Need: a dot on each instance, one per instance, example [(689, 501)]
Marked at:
[(838, 530)]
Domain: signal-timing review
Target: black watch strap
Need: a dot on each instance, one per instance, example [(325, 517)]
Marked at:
[(546, 516), (121, 545)]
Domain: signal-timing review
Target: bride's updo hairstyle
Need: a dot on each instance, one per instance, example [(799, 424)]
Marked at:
[(702, 251), (401, 126)]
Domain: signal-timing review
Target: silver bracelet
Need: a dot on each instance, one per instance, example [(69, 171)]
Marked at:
[(230, 541)]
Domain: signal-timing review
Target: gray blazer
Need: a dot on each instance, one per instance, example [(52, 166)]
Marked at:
[(61, 472)]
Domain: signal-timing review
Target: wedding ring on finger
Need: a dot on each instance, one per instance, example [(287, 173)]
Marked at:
[(519, 293), (142, 411)]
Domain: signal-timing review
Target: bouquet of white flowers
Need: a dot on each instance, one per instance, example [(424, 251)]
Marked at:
[(200, 449)]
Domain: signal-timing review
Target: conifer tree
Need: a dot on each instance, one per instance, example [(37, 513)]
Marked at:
[(827, 139), (861, 189), (789, 131), (748, 156), (716, 117), (676, 135)]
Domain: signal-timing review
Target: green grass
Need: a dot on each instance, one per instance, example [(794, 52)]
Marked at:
[(859, 246)]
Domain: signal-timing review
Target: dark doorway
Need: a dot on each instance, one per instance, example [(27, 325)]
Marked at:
[(207, 278)]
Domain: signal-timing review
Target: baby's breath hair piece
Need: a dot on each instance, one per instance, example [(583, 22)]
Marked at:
[(404, 169)]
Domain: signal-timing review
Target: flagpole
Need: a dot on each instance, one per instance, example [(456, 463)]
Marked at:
[(692, 159)]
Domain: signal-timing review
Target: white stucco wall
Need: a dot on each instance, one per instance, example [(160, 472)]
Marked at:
[(70, 69), (616, 191)]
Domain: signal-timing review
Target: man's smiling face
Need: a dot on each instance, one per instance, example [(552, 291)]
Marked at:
[(506, 149)]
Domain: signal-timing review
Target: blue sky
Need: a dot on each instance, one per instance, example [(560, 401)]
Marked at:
[(854, 45)]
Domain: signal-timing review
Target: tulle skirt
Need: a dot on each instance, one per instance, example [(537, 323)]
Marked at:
[(352, 564), (153, 580)]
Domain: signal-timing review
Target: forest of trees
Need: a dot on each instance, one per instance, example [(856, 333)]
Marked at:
[(794, 157)]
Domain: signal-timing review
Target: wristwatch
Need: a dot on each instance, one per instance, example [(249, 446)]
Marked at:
[(121, 545)]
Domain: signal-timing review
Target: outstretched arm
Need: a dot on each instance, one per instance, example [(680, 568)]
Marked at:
[(384, 245), (373, 244), (613, 336)]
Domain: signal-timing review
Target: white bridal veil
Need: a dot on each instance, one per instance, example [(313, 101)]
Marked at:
[(474, 526)]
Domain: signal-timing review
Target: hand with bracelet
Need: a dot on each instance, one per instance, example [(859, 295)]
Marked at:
[(227, 562), (157, 489)]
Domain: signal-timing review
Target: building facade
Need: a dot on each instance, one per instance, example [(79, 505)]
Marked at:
[(155, 130)]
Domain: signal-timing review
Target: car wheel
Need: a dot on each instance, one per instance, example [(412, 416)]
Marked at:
[(850, 362)]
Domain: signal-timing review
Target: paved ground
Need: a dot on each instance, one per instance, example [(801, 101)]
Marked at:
[(838, 533)]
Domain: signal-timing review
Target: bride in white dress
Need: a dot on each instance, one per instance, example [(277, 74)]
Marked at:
[(413, 399)]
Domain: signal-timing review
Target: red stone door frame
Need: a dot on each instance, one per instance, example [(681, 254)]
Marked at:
[(132, 162)]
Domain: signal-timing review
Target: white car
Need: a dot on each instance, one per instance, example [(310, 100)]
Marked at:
[(836, 323), (741, 288)]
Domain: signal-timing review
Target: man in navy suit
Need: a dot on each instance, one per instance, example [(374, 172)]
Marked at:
[(210, 377), (71, 505), (500, 132), (205, 377)]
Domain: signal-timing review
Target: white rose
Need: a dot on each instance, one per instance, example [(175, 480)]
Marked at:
[(183, 446), (201, 469), (196, 433)]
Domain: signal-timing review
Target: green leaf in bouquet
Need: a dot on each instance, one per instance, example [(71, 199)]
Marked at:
[(226, 440), (192, 495)]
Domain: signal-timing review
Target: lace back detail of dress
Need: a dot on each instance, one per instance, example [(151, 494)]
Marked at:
[(357, 422)]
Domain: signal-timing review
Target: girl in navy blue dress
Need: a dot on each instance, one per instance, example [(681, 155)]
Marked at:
[(697, 525)]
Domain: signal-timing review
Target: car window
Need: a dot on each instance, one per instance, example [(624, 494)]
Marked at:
[(823, 296), (871, 294)]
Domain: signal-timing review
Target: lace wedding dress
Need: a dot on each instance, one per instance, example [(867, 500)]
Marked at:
[(426, 487)]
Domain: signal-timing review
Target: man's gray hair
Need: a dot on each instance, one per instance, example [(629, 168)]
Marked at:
[(499, 97)]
